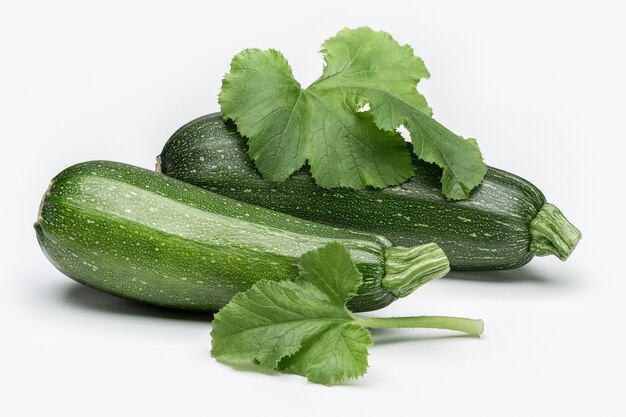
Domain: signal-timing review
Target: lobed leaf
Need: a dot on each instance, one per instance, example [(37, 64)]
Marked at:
[(288, 126), (302, 327)]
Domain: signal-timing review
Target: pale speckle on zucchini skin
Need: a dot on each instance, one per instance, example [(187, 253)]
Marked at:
[(144, 236), (496, 217)]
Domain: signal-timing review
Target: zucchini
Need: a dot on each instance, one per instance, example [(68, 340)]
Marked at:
[(502, 226), (144, 236)]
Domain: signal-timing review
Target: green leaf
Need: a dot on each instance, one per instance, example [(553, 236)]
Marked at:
[(288, 126), (272, 320), (303, 327), (303, 322)]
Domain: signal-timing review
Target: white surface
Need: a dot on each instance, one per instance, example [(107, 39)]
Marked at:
[(540, 84)]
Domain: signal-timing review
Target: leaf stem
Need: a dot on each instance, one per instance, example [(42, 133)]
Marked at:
[(473, 327)]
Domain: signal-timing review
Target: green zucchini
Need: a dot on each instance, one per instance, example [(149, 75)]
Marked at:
[(144, 236), (502, 226)]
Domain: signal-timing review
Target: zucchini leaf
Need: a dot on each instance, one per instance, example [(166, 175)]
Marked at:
[(304, 327), (288, 126)]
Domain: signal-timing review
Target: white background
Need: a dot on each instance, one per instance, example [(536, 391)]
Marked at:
[(539, 84)]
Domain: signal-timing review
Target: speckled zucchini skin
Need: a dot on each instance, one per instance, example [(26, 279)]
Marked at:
[(144, 236), (487, 232)]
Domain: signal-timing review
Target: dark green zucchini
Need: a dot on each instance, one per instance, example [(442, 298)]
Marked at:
[(502, 226), (144, 236)]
